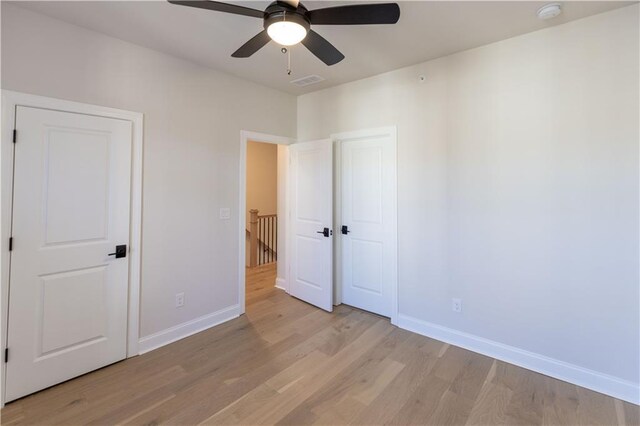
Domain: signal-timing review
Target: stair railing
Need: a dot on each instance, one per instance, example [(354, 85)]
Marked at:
[(263, 238)]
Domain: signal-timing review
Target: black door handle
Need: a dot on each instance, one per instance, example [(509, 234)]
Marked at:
[(345, 230), (121, 251), (324, 232)]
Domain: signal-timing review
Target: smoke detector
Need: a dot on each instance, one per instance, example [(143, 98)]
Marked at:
[(549, 11)]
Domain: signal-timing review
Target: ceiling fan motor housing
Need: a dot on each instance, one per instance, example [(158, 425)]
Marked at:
[(282, 12)]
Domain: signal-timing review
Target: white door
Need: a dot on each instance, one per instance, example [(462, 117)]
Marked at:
[(368, 215), (311, 200), (67, 295)]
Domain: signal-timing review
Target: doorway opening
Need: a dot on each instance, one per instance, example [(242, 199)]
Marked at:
[(261, 242), (264, 161), (336, 221), (262, 204)]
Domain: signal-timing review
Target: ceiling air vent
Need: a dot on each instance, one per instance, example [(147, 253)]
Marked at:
[(308, 80)]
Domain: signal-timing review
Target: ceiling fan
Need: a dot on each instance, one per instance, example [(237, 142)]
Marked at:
[(289, 22)]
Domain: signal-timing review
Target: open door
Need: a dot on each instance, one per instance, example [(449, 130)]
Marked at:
[(311, 201)]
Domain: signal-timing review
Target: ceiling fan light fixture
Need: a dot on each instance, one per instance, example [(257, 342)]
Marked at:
[(286, 33), (288, 22)]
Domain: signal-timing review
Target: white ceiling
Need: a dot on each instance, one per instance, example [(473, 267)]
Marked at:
[(426, 30)]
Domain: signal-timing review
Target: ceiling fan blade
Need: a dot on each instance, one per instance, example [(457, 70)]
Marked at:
[(253, 45), (322, 48), (220, 7), (357, 14)]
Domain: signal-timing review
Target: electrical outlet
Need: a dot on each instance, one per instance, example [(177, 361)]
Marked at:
[(179, 300), (456, 305)]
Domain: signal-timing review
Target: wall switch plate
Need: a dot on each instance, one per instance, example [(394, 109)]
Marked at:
[(456, 305), (179, 300), (225, 213)]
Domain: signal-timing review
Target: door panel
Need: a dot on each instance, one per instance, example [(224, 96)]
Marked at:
[(311, 212), (368, 180), (366, 265), (85, 216), (68, 297), (366, 175), (62, 328)]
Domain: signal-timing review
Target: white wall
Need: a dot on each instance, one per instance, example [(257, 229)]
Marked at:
[(193, 118), (262, 178), (517, 190)]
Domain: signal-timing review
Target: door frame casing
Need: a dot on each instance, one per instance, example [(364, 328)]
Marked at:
[(245, 137), (392, 133), (10, 101)]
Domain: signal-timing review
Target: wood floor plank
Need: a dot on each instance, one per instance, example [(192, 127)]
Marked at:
[(242, 407), (595, 410), (390, 370), (288, 362), (471, 378), (453, 409), (421, 405), (631, 413), (336, 400), (561, 403), (490, 407), (284, 403), (384, 409), (133, 409), (272, 362)]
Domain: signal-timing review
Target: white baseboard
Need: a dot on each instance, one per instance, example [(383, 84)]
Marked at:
[(599, 382), (281, 284), (180, 331)]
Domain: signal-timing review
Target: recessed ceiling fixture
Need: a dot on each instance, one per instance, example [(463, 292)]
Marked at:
[(288, 22), (549, 11)]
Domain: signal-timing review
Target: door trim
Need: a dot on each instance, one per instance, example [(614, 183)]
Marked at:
[(338, 138), (11, 100), (246, 136)]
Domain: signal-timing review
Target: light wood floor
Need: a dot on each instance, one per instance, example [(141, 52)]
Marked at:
[(289, 363)]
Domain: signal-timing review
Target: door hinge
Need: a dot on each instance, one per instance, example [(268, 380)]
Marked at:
[(15, 135), (6, 354), (10, 243)]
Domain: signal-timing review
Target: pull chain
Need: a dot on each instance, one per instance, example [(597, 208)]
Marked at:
[(288, 53)]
